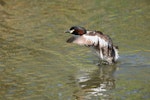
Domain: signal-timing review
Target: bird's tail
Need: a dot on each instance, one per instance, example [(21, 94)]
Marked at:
[(116, 52)]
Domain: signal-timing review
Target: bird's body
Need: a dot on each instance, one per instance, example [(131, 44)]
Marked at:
[(100, 42)]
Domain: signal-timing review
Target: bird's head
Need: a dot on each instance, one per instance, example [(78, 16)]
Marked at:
[(76, 30)]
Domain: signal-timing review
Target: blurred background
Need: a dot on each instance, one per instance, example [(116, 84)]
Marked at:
[(36, 63)]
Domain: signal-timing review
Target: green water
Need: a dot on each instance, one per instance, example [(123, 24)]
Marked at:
[(37, 64)]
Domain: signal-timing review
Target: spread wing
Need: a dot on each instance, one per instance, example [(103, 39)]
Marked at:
[(88, 40), (80, 40)]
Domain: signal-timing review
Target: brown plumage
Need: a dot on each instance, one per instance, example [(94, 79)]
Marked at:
[(100, 42)]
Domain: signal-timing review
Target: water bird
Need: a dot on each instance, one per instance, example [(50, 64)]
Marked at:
[(101, 43)]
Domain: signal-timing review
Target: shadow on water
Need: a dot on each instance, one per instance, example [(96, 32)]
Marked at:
[(97, 84)]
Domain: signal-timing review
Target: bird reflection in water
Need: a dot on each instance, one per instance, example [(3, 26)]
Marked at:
[(96, 84)]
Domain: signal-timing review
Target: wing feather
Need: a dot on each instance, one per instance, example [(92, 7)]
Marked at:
[(88, 40)]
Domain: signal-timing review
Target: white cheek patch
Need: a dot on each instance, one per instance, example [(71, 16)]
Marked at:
[(71, 31)]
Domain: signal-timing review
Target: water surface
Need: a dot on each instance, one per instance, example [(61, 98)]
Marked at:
[(37, 64)]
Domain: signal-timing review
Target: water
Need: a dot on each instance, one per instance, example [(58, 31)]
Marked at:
[(37, 64)]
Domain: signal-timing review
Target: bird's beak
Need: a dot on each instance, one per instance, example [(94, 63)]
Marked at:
[(68, 31)]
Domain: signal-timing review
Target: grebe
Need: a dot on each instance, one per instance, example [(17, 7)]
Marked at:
[(101, 43)]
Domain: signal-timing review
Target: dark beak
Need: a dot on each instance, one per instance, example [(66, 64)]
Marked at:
[(68, 31)]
